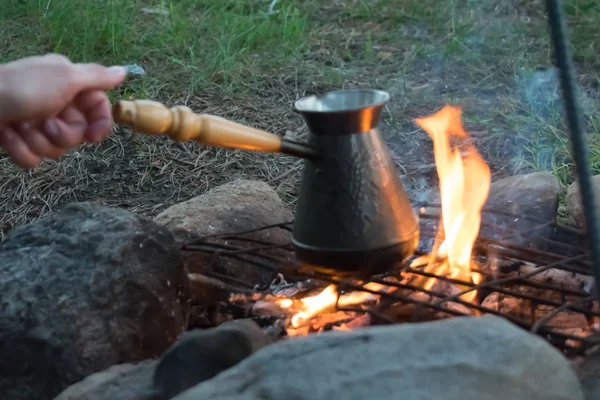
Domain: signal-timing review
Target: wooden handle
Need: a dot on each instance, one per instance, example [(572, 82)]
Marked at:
[(182, 124)]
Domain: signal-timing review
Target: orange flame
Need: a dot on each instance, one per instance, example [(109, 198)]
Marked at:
[(313, 305), (464, 186)]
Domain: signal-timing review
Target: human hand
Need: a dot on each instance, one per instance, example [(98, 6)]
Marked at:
[(49, 104)]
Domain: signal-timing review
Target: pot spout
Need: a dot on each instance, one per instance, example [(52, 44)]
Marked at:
[(182, 124)]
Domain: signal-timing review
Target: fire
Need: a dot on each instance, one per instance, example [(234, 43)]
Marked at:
[(313, 305), (465, 181), (464, 186)]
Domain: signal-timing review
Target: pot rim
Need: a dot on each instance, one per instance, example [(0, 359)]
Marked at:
[(317, 104)]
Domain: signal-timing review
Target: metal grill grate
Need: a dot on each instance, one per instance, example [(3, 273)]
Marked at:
[(517, 272)]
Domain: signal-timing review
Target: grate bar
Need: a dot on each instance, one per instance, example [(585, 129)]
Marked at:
[(278, 258), (574, 120)]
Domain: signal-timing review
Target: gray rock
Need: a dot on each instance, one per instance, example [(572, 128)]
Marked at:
[(588, 372), (82, 290), (532, 195), (574, 200), (119, 382), (202, 354), (237, 206), (483, 358), (233, 207)]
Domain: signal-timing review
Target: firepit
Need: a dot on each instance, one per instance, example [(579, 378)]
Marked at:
[(470, 262), (548, 292)]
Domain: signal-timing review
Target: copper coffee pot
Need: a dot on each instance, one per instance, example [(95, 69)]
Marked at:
[(353, 216)]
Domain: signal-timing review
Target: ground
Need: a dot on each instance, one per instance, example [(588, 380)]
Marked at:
[(248, 60)]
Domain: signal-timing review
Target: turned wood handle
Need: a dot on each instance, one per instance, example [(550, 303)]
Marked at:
[(182, 124)]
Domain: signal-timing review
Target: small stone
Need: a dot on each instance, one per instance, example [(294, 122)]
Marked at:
[(202, 354), (463, 358), (122, 381), (155, 10), (79, 294), (532, 195), (575, 204), (384, 55), (237, 206)]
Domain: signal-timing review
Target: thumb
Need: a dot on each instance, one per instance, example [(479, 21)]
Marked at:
[(98, 77)]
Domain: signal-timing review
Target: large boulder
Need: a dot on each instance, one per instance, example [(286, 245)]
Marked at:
[(82, 290), (588, 371), (467, 358), (574, 200), (238, 206), (197, 355), (527, 198), (123, 381)]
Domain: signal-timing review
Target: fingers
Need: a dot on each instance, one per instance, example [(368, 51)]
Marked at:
[(89, 118), (98, 77), (96, 108), (37, 142), (17, 149), (67, 130), (37, 89), (27, 143)]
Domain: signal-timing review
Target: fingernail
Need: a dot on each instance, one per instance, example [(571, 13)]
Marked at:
[(51, 127), (117, 70)]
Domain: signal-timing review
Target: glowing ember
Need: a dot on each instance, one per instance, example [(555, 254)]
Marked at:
[(313, 305), (286, 303), (464, 186)]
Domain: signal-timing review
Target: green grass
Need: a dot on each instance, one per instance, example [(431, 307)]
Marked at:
[(203, 43), (585, 20), (199, 44)]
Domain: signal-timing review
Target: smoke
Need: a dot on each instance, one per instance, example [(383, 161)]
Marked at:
[(540, 91), (540, 139)]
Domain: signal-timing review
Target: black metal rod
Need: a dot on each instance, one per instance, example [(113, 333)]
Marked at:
[(574, 121), (297, 149)]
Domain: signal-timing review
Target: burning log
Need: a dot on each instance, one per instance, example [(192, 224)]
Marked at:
[(323, 322), (206, 290), (559, 320), (545, 289), (361, 321), (310, 307), (443, 289), (338, 321), (272, 305), (557, 278)]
